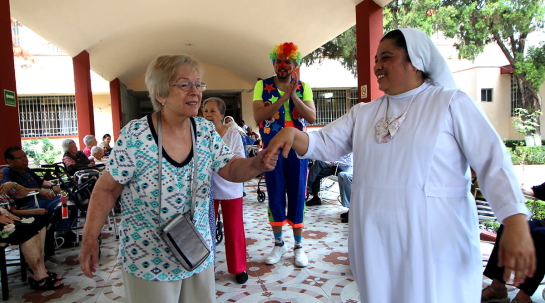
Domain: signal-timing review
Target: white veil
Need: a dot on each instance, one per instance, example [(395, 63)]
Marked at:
[(426, 57)]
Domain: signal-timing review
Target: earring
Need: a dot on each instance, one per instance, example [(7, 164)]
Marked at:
[(163, 104)]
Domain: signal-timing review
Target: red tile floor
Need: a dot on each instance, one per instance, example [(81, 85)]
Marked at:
[(327, 278)]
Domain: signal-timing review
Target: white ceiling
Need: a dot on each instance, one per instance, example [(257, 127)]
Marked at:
[(123, 36)]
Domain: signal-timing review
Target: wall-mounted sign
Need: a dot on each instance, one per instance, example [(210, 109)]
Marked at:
[(363, 90), (9, 98)]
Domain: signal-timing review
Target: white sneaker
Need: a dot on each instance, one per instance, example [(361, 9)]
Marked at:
[(301, 259), (276, 254)]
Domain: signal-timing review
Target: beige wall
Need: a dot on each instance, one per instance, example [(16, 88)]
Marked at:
[(102, 111), (498, 111)]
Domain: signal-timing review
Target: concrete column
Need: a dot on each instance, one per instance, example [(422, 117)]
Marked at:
[(84, 96), (369, 31), (115, 99), (11, 133)]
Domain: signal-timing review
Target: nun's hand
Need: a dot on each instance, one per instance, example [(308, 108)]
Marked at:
[(517, 253)]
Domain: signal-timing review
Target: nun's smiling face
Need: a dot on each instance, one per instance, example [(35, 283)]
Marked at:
[(395, 74)]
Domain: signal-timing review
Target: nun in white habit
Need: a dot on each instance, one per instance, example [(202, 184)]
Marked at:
[(413, 231)]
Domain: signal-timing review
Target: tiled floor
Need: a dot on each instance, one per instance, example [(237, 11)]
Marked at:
[(327, 278)]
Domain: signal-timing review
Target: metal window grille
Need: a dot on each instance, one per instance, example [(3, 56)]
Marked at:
[(332, 104), (516, 97), (47, 116)]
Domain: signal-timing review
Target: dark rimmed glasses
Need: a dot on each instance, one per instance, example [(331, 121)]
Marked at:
[(186, 85)]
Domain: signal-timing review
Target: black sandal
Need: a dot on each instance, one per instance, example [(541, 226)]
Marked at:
[(53, 275), (46, 283)]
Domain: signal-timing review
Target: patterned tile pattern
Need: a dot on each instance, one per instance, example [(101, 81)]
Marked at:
[(327, 278)]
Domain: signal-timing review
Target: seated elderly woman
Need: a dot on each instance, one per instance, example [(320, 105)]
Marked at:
[(97, 155), (105, 147), (27, 228), (74, 159), (89, 142), (106, 139)]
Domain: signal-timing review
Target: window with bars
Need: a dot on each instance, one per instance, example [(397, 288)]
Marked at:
[(47, 116), (332, 104), (516, 97)]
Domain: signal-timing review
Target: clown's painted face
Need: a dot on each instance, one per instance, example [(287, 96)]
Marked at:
[(283, 67)]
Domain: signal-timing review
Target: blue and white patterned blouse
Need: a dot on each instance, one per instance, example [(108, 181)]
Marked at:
[(133, 163)]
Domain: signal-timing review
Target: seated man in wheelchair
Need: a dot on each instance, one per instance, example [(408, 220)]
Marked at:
[(320, 170)]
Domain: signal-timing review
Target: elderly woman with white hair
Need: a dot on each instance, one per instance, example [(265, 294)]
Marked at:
[(97, 155), (89, 141), (161, 166), (73, 158), (229, 194), (415, 235)]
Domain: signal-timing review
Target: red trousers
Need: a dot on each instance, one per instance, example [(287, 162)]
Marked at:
[(235, 239)]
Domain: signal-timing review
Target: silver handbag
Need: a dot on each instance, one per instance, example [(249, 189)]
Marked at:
[(180, 234)]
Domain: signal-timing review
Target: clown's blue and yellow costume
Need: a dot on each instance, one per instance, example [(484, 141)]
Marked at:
[(290, 174)]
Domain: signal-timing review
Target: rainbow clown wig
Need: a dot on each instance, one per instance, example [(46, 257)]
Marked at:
[(287, 49)]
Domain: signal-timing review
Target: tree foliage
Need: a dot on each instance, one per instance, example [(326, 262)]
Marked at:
[(473, 24), (341, 48), (507, 23)]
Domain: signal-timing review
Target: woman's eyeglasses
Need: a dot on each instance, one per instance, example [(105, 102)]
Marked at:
[(186, 85)]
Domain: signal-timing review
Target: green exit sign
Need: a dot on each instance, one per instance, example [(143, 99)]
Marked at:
[(9, 98)]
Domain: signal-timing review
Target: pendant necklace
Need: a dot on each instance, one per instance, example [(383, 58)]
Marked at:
[(386, 127)]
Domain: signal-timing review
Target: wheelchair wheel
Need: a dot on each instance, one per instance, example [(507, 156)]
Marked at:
[(219, 232), (260, 196)]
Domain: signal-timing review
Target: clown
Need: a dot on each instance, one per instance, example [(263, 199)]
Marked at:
[(284, 101)]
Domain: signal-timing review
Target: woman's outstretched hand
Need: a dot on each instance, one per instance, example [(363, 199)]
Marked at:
[(266, 160)]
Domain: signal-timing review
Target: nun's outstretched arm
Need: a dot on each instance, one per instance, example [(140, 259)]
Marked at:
[(289, 138)]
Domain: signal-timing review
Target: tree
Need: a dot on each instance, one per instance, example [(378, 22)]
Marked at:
[(473, 24), (18, 51), (341, 48), (416, 14)]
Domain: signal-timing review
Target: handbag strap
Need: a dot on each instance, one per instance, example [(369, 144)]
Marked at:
[(194, 181)]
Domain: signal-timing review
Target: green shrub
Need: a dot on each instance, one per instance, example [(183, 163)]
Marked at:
[(527, 155), (537, 207), (492, 226), (41, 151), (514, 143)]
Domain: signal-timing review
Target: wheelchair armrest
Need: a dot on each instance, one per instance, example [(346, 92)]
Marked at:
[(53, 165)]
